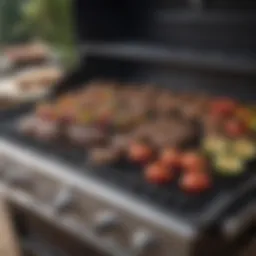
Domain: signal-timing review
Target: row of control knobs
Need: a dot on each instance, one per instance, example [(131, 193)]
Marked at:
[(104, 222), (107, 221)]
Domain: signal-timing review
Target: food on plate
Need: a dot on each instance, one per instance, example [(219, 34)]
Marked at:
[(38, 78), (156, 173), (27, 53)]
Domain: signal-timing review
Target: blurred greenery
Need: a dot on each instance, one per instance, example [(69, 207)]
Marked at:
[(46, 20)]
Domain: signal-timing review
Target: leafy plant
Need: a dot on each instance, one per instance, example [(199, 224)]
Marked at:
[(50, 21)]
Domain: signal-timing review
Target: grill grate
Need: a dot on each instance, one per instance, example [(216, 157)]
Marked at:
[(193, 209)]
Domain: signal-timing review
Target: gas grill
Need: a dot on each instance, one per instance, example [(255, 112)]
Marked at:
[(112, 208)]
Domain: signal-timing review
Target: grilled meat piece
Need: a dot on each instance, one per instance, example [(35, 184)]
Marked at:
[(28, 124), (121, 142), (166, 104), (175, 133), (85, 136), (46, 130), (103, 156)]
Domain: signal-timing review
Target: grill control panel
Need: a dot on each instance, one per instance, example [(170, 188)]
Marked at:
[(103, 217)]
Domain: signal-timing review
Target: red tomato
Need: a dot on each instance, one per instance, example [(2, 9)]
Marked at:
[(193, 162), (140, 152), (235, 128), (195, 182), (223, 107), (158, 174), (171, 158)]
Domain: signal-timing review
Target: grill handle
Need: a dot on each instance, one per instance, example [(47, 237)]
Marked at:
[(240, 221)]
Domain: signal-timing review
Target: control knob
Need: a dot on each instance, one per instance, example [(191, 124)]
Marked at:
[(105, 222), (63, 200), (18, 178), (142, 242), (3, 164)]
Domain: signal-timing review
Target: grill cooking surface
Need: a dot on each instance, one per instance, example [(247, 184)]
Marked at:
[(193, 209)]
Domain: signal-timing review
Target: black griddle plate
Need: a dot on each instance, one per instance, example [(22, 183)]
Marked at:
[(201, 210)]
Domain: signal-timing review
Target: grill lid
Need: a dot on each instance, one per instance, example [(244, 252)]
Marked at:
[(192, 44), (212, 25)]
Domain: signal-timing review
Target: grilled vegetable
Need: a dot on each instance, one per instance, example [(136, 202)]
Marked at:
[(235, 128), (195, 182), (140, 152), (84, 117), (244, 149), (229, 165), (170, 158), (156, 173), (214, 144), (223, 107), (193, 162)]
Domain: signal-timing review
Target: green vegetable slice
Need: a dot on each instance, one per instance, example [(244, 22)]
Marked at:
[(214, 145), (244, 149), (229, 165)]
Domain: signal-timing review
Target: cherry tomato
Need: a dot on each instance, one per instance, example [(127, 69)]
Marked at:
[(195, 182), (140, 152), (171, 158), (156, 173), (235, 128), (223, 107), (193, 162)]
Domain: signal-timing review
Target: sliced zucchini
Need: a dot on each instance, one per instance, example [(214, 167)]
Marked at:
[(229, 165), (245, 149), (214, 145)]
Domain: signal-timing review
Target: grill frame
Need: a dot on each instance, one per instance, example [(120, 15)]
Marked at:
[(213, 216)]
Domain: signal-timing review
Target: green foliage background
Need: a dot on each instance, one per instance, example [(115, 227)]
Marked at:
[(47, 20)]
